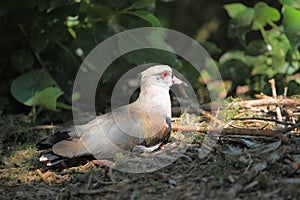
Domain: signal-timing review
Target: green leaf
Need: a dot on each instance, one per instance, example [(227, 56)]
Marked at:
[(47, 98), (75, 96), (27, 85), (234, 9), (22, 60), (72, 21), (279, 45), (264, 14), (241, 24), (147, 16), (298, 82), (264, 70), (64, 106), (291, 25), (142, 4), (291, 3), (294, 59), (245, 18), (256, 47)]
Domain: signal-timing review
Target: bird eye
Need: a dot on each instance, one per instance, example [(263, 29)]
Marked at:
[(165, 74)]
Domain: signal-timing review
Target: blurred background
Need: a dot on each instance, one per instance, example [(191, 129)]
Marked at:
[(43, 44)]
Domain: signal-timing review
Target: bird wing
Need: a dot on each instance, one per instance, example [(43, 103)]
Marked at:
[(115, 132)]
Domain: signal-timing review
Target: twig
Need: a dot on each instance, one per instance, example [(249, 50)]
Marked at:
[(177, 127), (110, 175), (193, 109), (97, 191), (273, 87), (262, 96), (23, 130), (44, 176), (103, 182), (89, 182), (256, 132), (274, 94), (72, 172), (44, 127), (264, 119), (266, 102), (285, 92), (278, 133)]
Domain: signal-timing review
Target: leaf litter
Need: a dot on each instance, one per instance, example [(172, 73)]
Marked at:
[(240, 165)]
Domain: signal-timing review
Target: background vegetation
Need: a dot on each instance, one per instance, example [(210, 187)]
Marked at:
[(44, 42)]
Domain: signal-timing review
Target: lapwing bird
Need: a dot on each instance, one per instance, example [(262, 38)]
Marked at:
[(142, 125)]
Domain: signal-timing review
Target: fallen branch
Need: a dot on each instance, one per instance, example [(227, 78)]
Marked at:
[(264, 119), (38, 127), (278, 133), (266, 102), (96, 191)]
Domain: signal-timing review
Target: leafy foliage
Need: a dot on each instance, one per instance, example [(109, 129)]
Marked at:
[(46, 45), (274, 53), (43, 44), (25, 87), (34, 88)]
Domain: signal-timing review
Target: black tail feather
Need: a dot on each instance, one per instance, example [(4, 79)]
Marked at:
[(49, 141)]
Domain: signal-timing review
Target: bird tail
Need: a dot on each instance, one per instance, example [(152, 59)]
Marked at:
[(62, 145), (51, 159), (51, 140)]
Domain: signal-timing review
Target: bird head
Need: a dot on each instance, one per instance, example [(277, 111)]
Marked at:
[(159, 75)]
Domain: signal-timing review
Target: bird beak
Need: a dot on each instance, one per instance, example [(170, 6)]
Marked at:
[(177, 81)]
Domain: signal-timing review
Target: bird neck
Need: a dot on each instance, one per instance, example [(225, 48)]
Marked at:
[(156, 97)]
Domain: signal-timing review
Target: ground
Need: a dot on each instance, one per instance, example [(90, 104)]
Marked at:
[(236, 168)]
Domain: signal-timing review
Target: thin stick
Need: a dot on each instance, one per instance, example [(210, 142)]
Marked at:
[(285, 92), (89, 182), (256, 132), (262, 96), (273, 87), (274, 94), (97, 191), (44, 127), (208, 115), (278, 133), (266, 102), (263, 119)]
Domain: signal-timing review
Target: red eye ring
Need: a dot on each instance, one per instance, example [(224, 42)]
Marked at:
[(165, 74)]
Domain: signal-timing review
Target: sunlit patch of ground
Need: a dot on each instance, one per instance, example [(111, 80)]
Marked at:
[(247, 167)]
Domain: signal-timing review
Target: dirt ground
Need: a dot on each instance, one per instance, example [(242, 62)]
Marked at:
[(236, 168)]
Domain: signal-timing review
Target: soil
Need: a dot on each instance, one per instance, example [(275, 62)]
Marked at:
[(236, 168)]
